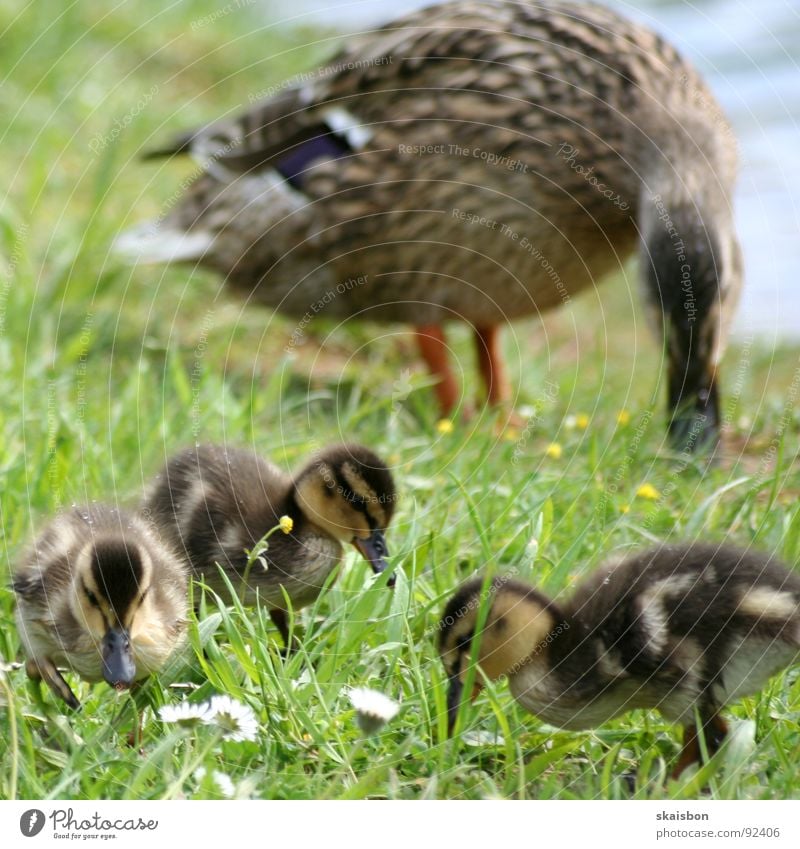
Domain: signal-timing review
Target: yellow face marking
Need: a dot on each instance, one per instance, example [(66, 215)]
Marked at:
[(144, 622), (328, 509), (362, 489), (516, 628)]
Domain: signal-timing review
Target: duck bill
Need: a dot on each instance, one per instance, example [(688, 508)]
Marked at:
[(374, 551), (453, 701), (119, 669)]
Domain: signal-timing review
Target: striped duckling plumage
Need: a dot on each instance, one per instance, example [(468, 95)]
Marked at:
[(676, 628), (215, 503), (482, 162), (98, 593)]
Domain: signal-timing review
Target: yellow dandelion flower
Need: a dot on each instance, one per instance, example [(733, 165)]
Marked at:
[(625, 508), (286, 524), (582, 421), (511, 434), (445, 426), (554, 451), (648, 491), (623, 417)]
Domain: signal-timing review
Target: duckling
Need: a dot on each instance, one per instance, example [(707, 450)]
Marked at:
[(478, 162), (676, 628), (215, 503), (99, 594)]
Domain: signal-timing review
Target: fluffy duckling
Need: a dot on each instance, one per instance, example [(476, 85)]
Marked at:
[(99, 594), (480, 161), (216, 503), (675, 628)]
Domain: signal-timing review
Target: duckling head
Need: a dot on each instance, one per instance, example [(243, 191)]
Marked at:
[(349, 493), (111, 583), (517, 624)]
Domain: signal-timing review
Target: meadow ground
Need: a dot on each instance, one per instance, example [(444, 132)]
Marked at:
[(105, 370)]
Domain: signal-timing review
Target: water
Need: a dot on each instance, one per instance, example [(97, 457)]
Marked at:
[(750, 55)]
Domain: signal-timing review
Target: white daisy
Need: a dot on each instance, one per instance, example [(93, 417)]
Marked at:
[(224, 784), (8, 667), (236, 721), (373, 709), (186, 714)]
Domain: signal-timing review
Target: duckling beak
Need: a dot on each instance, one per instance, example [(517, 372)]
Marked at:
[(119, 669), (453, 701), (374, 550)]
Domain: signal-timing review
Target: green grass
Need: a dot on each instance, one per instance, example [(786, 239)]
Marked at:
[(105, 370)]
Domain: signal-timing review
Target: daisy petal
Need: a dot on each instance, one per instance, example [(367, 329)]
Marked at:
[(236, 721), (185, 714), (373, 709), (224, 784)]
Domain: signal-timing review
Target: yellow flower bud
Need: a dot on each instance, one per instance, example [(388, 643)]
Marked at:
[(648, 491)]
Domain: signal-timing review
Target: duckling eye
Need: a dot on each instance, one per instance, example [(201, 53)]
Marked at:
[(92, 598), (356, 501), (463, 643)]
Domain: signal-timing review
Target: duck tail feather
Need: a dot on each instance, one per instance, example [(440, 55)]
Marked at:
[(150, 243)]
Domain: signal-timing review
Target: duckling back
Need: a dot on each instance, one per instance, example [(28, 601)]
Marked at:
[(683, 626), (216, 503), (683, 629)]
